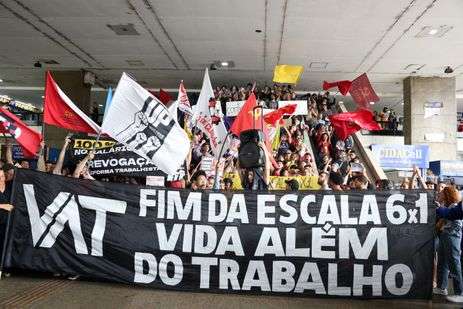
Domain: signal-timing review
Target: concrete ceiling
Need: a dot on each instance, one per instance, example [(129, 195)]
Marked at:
[(177, 39)]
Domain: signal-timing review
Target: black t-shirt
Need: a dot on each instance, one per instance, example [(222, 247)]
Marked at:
[(6, 194), (4, 199)]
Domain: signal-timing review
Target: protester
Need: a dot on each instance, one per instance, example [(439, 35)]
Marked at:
[(449, 252)]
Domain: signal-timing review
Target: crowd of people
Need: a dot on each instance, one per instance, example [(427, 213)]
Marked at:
[(388, 119), (306, 146)]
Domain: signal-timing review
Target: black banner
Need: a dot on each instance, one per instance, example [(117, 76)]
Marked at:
[(113, 158), (316, 243)]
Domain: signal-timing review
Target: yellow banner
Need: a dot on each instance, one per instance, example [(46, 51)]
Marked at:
[(80, 143), (287, 74), (279, 182)]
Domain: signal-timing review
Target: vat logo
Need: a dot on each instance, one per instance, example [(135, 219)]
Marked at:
[(65, 210)]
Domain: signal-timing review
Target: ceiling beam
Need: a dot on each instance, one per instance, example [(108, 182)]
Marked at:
[(57, 32), (45, 34), (285, 5)]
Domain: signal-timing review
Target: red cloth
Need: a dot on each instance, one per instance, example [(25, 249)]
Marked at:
[(362, 92), (343, 86), (247, 119), (58, 112), (177, 184), (28, 138), (164, 96), (273, 117), (345, 124)]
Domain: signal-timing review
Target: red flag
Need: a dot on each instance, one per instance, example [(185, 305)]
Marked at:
[(345, 124), (273, 117), (343, 86), (28, 138), (164, 96), (362, 92), (247, 119), (61, 112)]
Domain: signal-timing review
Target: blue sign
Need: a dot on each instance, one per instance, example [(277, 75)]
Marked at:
[(401, 156), (447, 168), (17, 152)]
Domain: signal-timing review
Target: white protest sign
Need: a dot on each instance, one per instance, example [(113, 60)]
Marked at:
[(155, 181), (233, 108)]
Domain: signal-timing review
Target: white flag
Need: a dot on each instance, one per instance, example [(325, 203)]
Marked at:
[(173, 110), (209, 117), (141, 122), (183, 101)]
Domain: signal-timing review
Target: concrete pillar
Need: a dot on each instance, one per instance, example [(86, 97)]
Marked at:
[(439, 130), (72, 84)]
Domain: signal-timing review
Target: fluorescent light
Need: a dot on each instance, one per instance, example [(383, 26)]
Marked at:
[(433, 31), (459, 95), (372, 103), (43, 97), (100, 105), (1, 80), (224, 63)]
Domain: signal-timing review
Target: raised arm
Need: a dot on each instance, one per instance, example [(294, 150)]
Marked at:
[(41, 160), (80, 167), (421, 181), (59, 164), (9, 152)]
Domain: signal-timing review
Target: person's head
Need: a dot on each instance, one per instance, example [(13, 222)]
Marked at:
[(359, 182), (196, 137), (352, 156), (8, 168), (440, 186), (49, 166), (205, 149), (430, 185), (335, 181), (325, 159), (287, 155), (210, 182), (406, 184), (284, 172), (200, 180), (292, 185), (341, 155), (322, 179), (384, 185), (449, 196), (293, 170), (24, 163), (294, 156), (228, 184), (325, 137)]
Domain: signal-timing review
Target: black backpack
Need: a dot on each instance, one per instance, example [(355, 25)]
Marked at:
[(250, 154)]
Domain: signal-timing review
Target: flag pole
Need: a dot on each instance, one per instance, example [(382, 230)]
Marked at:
[(216, 177), (7, 231)]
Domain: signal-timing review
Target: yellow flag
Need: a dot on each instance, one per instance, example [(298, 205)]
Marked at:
[(287, 74)]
